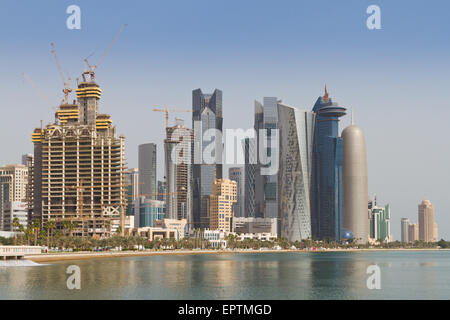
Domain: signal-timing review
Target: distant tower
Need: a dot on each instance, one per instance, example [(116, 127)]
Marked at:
[(147, 170), (405, 229), (207, 114), (427, 227), (178, 172), (355, 183), (237, 174)]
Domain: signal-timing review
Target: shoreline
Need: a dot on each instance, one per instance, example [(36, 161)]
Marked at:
[(66, 256)]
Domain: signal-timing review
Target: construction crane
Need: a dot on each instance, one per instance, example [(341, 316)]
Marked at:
[(67, 89), (81, 188), (166, 111), (43, 96), (91, 70)]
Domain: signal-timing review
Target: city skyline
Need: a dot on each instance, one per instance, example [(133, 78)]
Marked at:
[(398, 169)]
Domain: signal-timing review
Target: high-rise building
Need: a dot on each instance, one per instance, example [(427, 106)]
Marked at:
[(294, 173), (28, 161), (147, 170), (427, 229), (206, 115), (355, 184), (13, 190), (413, 232), (265, 186), (237, 174), (222, 201), (177, 150), (132, 178), (251, 168), (79, 167), (379, 222), (326, 201), (404, 230)]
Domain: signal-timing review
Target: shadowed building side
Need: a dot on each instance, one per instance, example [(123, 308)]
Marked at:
[(355, 183)]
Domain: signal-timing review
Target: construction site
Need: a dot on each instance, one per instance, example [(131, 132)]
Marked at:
[(79, 163)]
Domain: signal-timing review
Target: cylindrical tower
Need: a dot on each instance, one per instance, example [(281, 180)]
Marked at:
[(355, 183)]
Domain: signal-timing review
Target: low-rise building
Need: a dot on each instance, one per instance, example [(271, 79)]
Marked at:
[(179, 225), (264, 236), (216, 238), (154, 233), (147, 211), (255, 225)]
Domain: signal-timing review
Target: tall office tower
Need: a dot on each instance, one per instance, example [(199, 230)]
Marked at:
[(132, 179), (435, 232), (222, 201), (207, 114), (426, 222), (79, 167), (379, 222), (405, 229), (413, 232), (13, 193), (237, 174), (177, 150), (355, 184), (250, 172), (266, 119), (326, 192), (147, 170), (294, 173), (28, 161)]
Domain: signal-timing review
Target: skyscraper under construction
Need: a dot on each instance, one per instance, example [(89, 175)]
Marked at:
[(79, 167), (178, 147)]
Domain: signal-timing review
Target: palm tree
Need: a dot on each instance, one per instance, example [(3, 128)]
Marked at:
[(51, 226), (36, 227), (16, 225), (29, 233)]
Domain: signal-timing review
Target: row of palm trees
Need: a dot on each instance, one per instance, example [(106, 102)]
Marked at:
[(33, 232)]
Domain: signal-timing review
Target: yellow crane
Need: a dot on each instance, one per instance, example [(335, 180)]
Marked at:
[(67, 89), (166, 111), (91, 71)]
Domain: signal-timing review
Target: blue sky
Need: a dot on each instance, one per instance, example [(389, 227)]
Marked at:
[(395, 79)]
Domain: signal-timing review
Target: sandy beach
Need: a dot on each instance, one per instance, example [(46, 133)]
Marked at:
[(48, 257)]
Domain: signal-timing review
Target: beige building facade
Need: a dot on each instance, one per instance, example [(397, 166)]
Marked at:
[(413, 232), (221, 208), (427, 227)]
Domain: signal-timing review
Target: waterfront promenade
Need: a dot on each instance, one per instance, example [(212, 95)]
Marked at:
[(62, 256)]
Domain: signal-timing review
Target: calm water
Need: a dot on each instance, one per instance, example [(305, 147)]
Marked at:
[(404, 275)]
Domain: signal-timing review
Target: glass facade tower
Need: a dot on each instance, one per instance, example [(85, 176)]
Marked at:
[(294, 174), (206, 114), (326, 200)]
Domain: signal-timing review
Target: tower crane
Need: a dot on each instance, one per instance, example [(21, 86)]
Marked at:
[(43, 96), (91, 68), (167, 113), (67, 89)]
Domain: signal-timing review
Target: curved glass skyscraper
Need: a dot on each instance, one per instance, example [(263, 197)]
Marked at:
[(294, 175)]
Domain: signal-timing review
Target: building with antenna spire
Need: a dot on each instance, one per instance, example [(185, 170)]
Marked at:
[(326, 186)]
